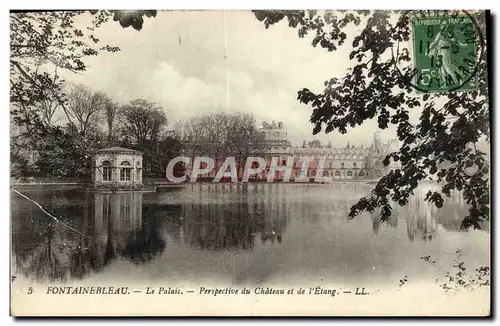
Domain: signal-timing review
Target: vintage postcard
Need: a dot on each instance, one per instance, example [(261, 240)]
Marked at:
[(250, 163)]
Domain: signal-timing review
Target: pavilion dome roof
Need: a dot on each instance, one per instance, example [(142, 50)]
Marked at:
[(117, 149)]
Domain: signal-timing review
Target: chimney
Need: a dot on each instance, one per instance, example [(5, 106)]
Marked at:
[(280, 125)]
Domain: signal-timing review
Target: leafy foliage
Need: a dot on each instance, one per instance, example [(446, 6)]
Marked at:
[(441, 146), (142, 126), (220, 135), (141, 119), (460, 279), (43, 43)]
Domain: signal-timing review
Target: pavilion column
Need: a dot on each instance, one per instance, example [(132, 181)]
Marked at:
[(139, 175), (115, 174)]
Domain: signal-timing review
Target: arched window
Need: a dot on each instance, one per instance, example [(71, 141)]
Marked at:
[(349, 173), (106, 170), (337, 173), (361, 174), (125, 171)]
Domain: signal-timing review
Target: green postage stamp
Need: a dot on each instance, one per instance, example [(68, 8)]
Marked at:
[(444, 53)]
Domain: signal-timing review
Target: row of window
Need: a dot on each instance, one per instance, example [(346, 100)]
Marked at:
[(335, 156), (330, 165), (124, 163), (330, 157), (337, 174), (125, 174), (342, 165), (125, 171)]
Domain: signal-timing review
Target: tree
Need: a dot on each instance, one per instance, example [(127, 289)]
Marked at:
[(315, 144), (142, 120), (48, 108), (141, 124), (85, 106), (66, 152), (241, 136), (169, 147), (376, 87), (110, 110), (219, 135), (41, 44)]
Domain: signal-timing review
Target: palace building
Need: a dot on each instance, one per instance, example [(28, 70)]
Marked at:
[(348, 162)]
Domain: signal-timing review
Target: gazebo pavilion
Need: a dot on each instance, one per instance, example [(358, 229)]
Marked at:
[(117, 168)]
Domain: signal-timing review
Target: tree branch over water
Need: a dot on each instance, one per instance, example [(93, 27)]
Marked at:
[(436, 147)]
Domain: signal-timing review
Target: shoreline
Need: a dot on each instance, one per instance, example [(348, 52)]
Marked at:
[(165, 184), (161, 184)]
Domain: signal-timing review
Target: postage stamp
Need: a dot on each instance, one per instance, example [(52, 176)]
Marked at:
[(445, 52)]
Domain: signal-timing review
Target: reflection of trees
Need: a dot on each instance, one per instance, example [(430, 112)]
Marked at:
[(112, 223), (210, 217), (276, 208), (44, 261), (44, 249), (233, 215), (146, 243), (423, 218), (421, 225), (377, 222)]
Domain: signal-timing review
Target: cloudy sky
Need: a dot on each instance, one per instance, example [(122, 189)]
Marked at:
[(205, 61)]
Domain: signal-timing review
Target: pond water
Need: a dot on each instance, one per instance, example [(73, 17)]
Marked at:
[(236, 234)]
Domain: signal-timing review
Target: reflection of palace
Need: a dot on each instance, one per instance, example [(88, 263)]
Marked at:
[(210, 224)]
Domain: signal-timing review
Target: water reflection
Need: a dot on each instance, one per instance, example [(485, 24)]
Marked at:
[(120, 225), (231, 217), (112, 226), (140, 227), (423, 218)]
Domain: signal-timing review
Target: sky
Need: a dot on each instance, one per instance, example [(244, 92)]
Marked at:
[(194, 62)]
